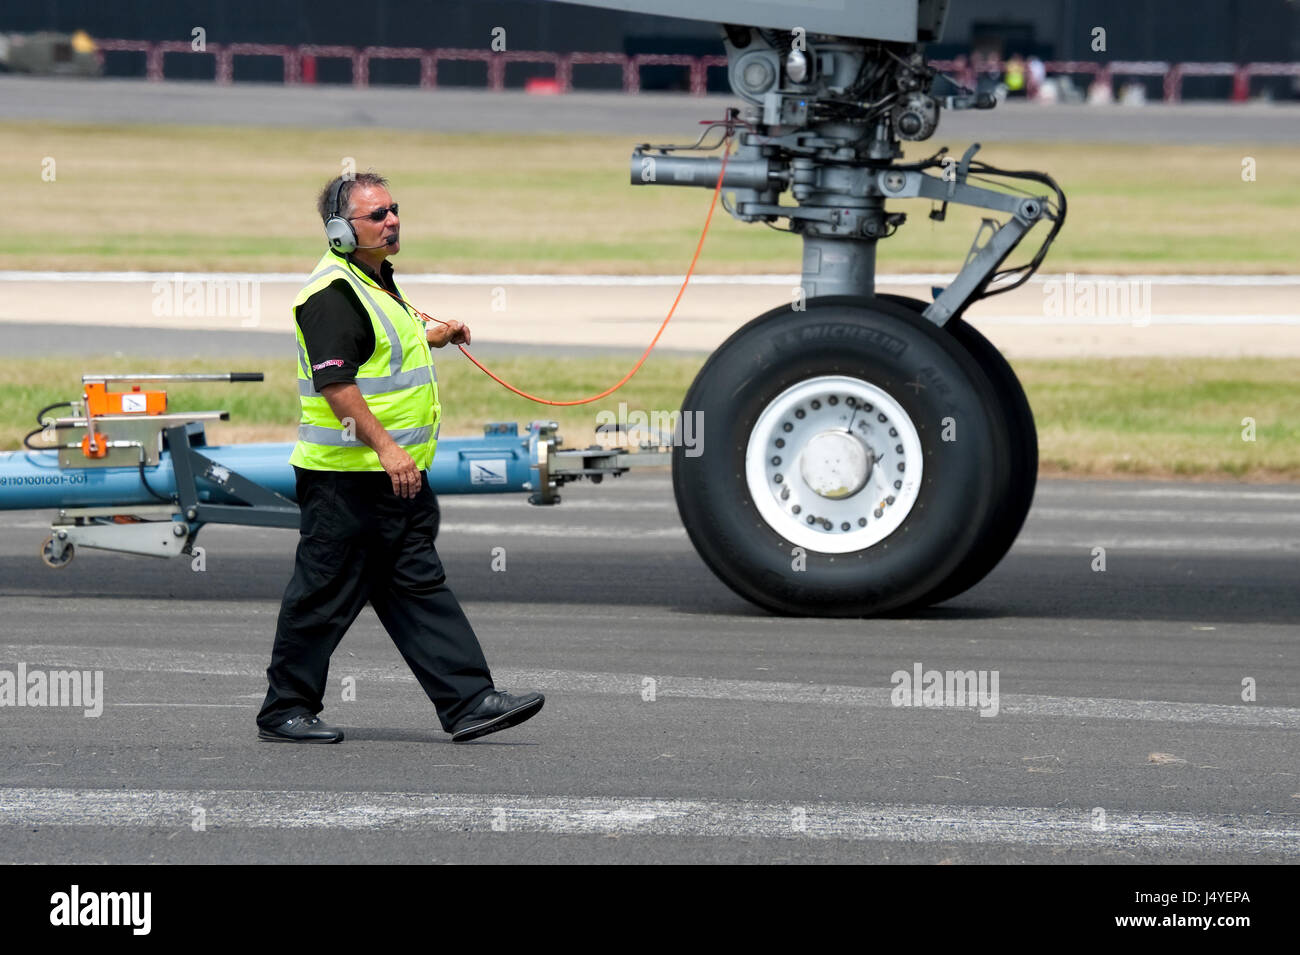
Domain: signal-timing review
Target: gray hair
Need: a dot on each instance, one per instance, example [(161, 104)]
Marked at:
[(350, 182)]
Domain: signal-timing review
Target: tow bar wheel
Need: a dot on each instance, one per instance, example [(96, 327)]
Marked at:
[(57, 556), (849, 462)]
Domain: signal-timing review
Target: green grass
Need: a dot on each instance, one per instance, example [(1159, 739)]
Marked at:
[(1177, 417), (216, 198), (1129, 417)]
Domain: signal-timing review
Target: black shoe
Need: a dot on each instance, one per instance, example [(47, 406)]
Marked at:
[(496, 711), (301, 729)]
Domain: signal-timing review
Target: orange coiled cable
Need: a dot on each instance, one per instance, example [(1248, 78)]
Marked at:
[(717, 189)]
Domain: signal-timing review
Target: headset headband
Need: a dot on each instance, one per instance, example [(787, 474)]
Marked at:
[(336, 193)]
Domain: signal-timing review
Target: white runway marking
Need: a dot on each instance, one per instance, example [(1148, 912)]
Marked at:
[(219, 706), (453, 504), (1093, 512), (565, 815), (567, 530), (924, 279), (1211, 494), (458, 502), (665, 505), (1179, 518), (1198, 318), (1189, 545), (668, 687)]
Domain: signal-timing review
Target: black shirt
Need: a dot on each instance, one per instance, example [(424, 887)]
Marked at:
[(337, 329)]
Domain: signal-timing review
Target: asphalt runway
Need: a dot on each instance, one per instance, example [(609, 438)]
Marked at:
[(683, 724), (671, 115)]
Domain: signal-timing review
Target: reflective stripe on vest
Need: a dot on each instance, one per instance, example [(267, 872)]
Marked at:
[(318, 435), (376, 386)]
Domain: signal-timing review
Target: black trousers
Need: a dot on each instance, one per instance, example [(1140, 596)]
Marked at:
[(360, 542)]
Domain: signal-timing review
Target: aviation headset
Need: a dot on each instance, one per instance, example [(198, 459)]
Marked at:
[(342, 237)]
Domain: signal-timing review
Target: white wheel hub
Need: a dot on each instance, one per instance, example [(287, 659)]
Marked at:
[(833, 464)]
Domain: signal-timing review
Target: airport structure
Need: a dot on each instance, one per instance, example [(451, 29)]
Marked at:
[(1206, 38)]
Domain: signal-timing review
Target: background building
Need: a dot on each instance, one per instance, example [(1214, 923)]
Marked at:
[(1172, 30)]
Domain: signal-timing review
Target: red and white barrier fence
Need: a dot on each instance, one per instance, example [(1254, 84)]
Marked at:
[(299, 64)]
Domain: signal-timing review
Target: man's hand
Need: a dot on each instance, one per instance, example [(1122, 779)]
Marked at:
[(346, 402), (439, 335), (401, 469)]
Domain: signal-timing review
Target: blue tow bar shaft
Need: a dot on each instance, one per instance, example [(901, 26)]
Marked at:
[(33, 480)]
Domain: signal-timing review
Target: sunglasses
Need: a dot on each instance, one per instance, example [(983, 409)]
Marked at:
[(379, 215)]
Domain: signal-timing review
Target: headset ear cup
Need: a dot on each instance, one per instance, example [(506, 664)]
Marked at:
[(342, 237)]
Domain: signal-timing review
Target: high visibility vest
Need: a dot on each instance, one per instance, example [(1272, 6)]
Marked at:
[(397, 381)]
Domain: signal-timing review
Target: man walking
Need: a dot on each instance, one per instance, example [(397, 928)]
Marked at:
[(370, 421)]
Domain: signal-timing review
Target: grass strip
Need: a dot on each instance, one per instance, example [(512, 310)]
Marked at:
[(1148, 417)]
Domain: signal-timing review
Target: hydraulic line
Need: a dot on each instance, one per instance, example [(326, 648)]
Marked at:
[(717, 190), (40, 421)]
